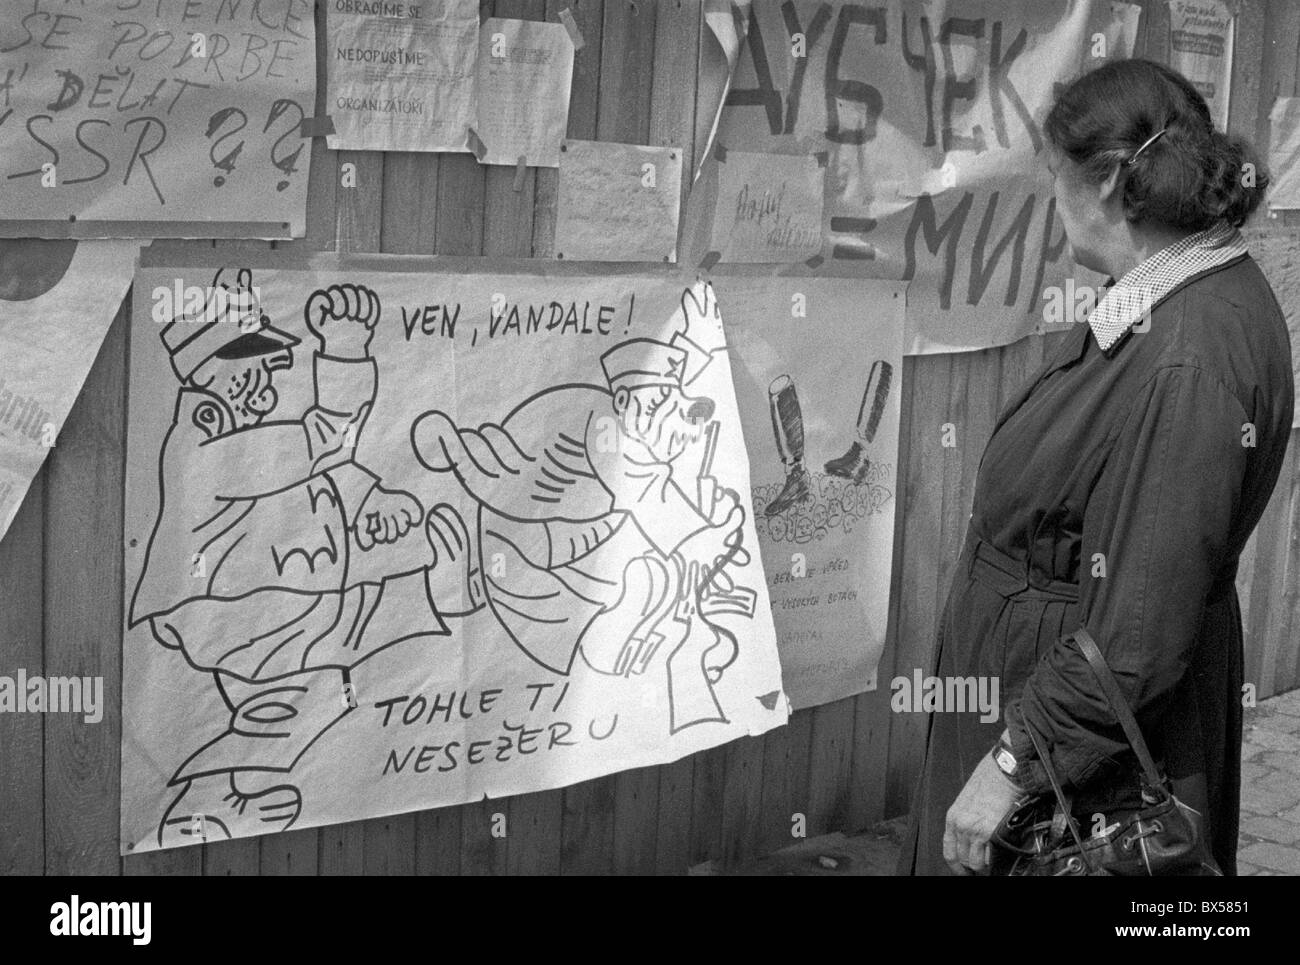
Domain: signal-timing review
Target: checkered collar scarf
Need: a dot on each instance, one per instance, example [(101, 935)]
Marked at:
[(1133, 295)]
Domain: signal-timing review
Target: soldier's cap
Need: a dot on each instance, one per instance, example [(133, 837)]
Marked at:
[(244, 333), (643, 362)]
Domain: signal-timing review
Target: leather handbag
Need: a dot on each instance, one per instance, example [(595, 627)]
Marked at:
[(1041, 836)]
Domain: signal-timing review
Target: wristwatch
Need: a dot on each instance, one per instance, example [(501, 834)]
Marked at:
[(1004, 757)]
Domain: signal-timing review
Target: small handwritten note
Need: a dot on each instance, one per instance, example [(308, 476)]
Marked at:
[(769, 208)]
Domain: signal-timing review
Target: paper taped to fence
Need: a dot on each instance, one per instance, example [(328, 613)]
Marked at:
[(402, 76), (403, 540), (156, 120), (618, 202), (819, 379), (525, 72), (57, 300)]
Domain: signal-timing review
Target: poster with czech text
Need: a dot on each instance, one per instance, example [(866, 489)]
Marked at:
[(404, 539), (926, 118), (155, 118), (819, 382)]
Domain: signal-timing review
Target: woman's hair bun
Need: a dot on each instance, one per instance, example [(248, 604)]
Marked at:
[(1189, 177)]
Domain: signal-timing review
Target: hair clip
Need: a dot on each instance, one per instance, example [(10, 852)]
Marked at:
[(1149, 141)]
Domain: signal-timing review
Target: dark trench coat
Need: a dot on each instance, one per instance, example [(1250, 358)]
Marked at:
[(1117, 492)]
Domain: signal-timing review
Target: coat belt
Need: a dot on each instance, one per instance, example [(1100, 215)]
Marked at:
[(1009, 577)]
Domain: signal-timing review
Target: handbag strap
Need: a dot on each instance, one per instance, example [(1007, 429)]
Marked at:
[(1063, 803), (1118, 704)]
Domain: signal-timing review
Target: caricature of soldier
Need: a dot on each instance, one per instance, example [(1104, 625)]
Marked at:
[(247, 569), (592, 500)]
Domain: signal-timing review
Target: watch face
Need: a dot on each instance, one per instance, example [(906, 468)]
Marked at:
[(1005, 760)]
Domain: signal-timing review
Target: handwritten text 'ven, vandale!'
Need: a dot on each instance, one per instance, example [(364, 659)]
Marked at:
[(506, 318)]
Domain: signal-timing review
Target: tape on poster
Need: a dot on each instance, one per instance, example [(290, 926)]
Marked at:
[(571, 25), (316, 126), (475, 144)]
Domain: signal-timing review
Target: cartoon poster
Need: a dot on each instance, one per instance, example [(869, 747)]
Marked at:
[(404, 539), (819, 383), (401, 75), (155, 118), (925, 117), (57, 301)]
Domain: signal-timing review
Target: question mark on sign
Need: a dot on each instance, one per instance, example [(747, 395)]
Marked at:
[(226, 162), (289, 163)]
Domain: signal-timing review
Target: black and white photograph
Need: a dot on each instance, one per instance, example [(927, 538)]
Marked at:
[(630, 438)]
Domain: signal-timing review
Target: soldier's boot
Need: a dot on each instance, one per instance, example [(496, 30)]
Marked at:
[(787, 425), (217, 807), (455, 580)]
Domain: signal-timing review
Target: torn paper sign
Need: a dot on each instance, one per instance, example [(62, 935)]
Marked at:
[(524, 497), (769, 207), (525, 70), (401, 76), (57, 300), (618, 202)]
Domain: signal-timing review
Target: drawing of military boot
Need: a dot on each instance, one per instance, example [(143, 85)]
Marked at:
[(235, 785), (787, 425), (854, 464), (455, 580)]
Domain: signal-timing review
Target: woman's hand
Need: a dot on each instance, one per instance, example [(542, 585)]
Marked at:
[(975, 815)]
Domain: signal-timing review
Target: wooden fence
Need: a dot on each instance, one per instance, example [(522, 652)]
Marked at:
[(842, 766)]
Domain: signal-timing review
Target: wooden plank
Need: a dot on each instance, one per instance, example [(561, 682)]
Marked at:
[(921, 562), (636, 811), (83, 615), (186, 861), (409, 222), (324, 175), (583, 99), (533, 845), (22, 736), (874, 717), (437, 842), (830, 766), (587, 835), (342, 849), (785, 798), (1278, 70), (360, 207), (1156, 15), (626, 65), (673, 102), (388, 845), (241, 856), (295, 853), (708, 784), (742, 799), (673, 835), (1248, 54)]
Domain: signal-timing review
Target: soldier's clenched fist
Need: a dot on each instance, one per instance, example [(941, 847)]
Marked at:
[(343, 318)]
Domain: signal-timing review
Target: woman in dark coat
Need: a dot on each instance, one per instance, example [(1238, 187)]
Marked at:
[(1119, 487)]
